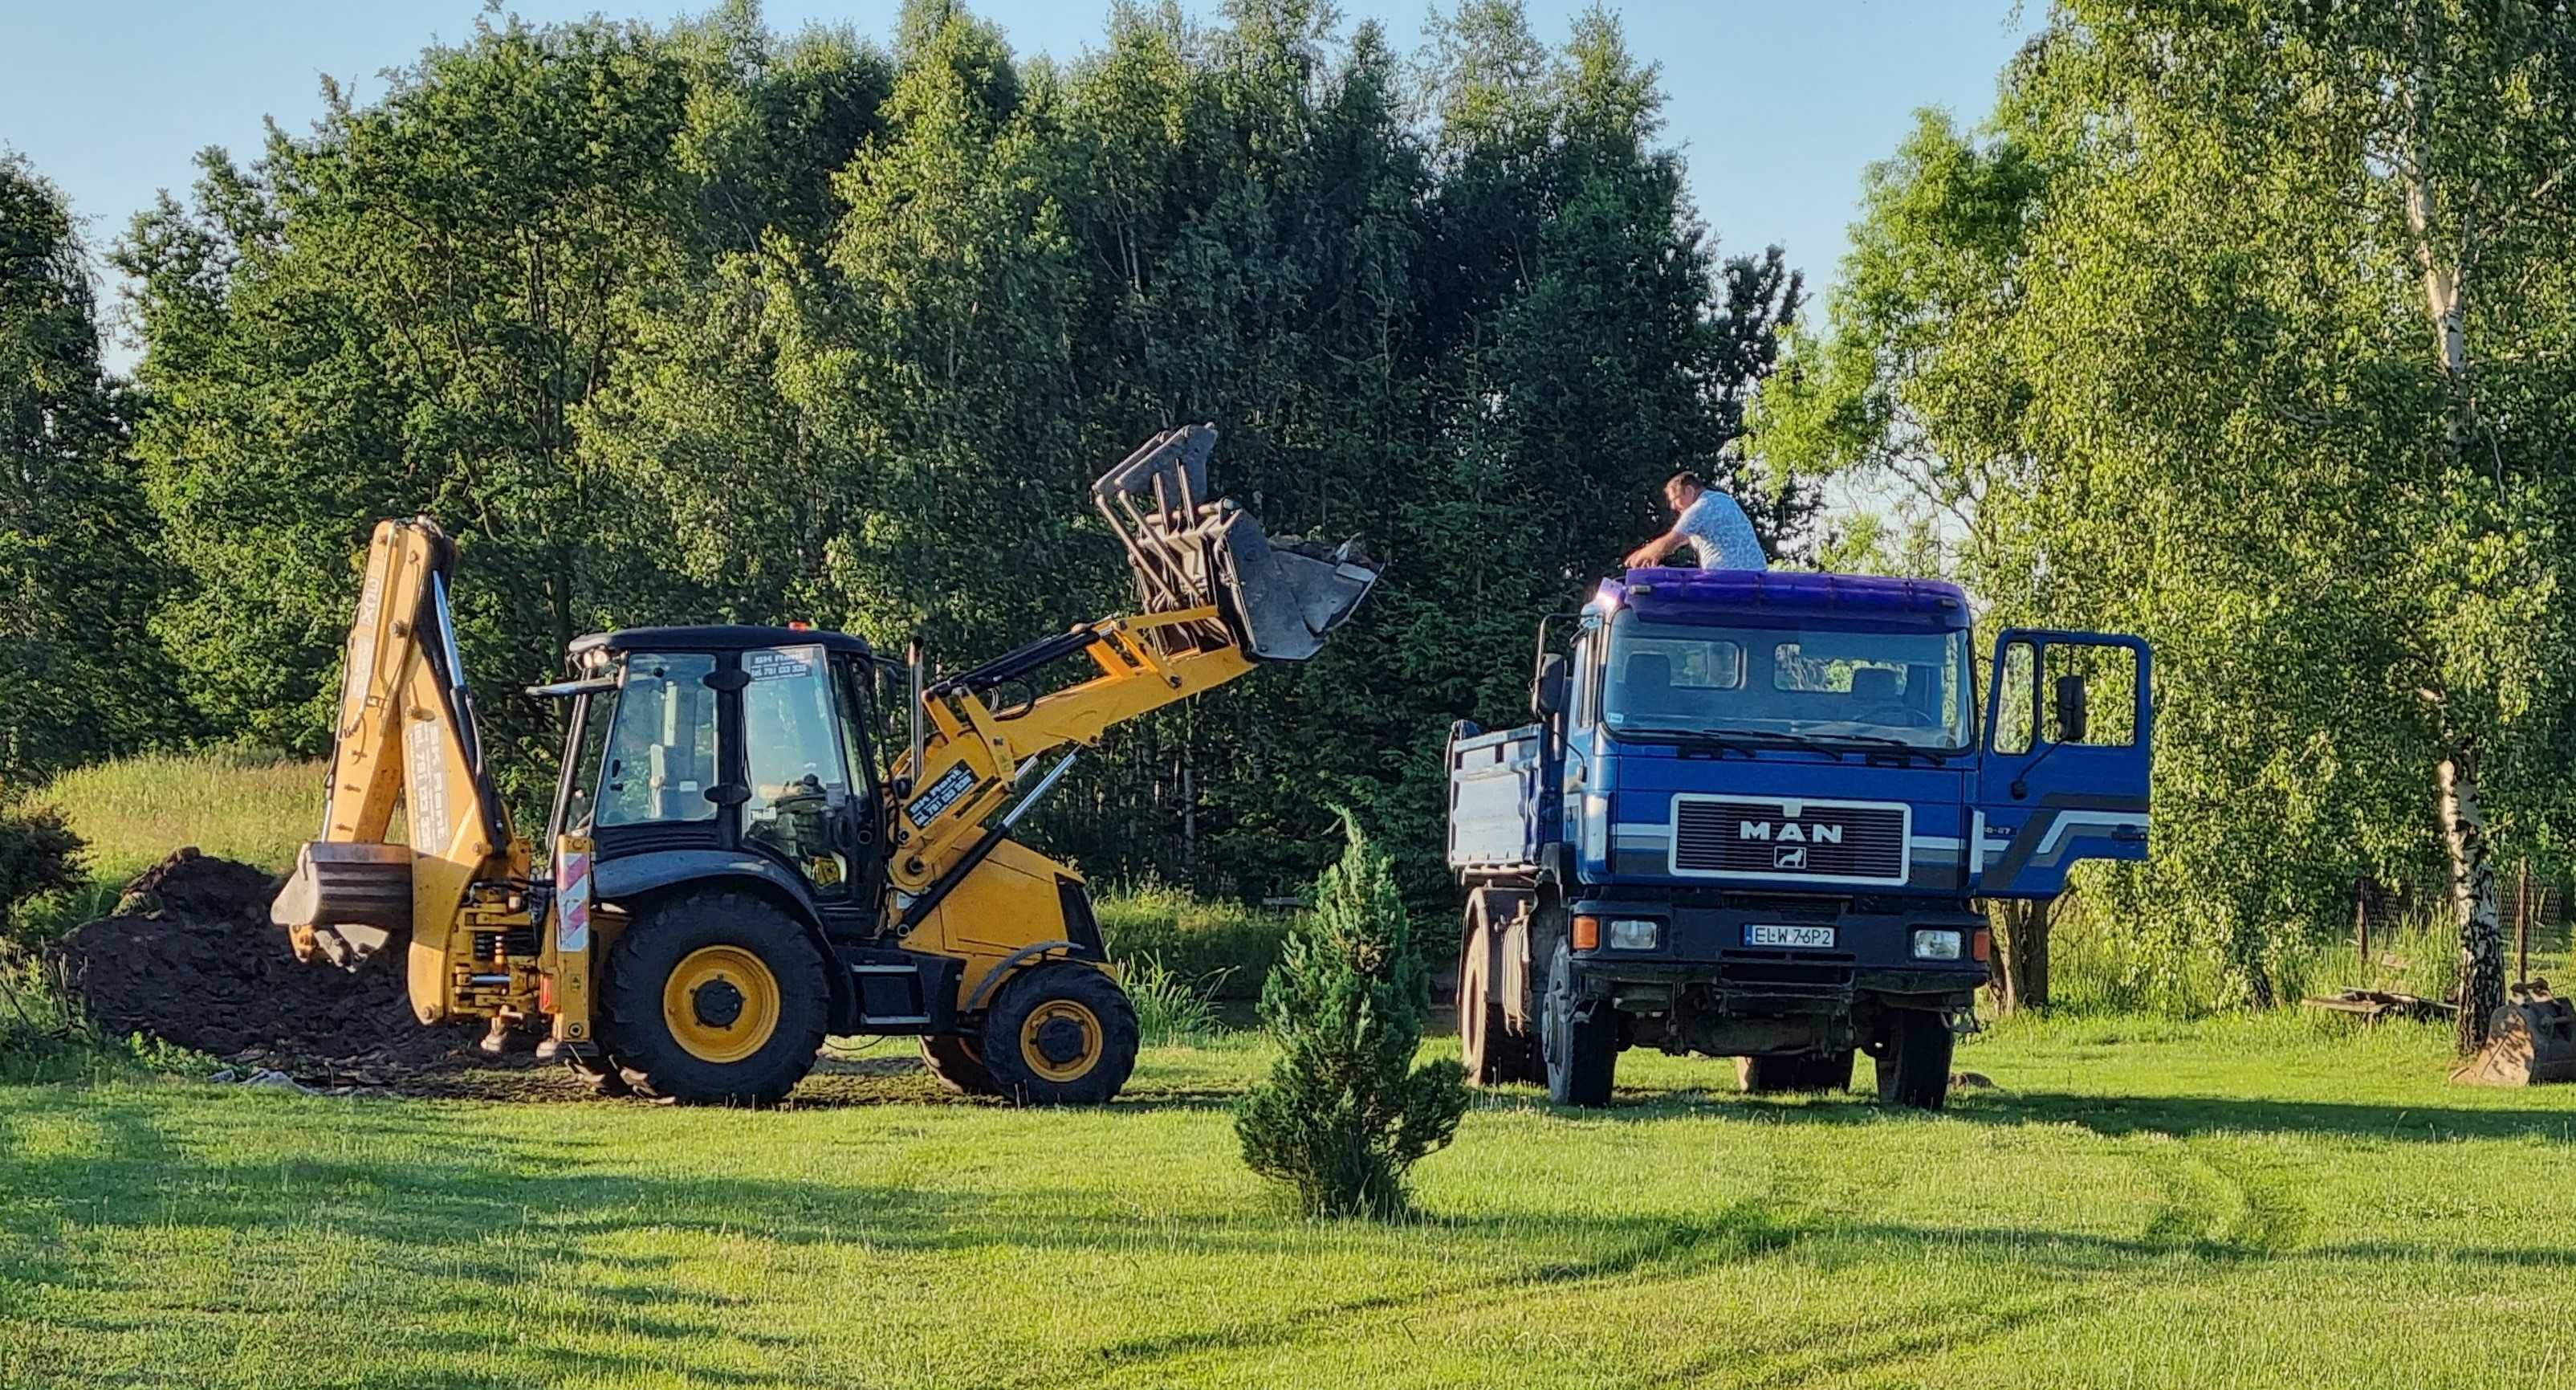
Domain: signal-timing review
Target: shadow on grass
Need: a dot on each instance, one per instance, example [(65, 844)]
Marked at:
[(539, 1232), (2113, 1117)]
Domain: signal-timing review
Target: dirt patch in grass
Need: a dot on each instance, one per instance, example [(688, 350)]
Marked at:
[(190, 957)]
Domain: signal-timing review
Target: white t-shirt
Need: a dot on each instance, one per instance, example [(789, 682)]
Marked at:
[(1721, 535)]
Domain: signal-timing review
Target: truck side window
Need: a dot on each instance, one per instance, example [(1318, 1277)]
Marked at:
[(662, 747), (2111, 688), (2016, 683)]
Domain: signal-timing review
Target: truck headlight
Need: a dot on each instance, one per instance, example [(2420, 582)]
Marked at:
[(1936, 944), (1633, 934)]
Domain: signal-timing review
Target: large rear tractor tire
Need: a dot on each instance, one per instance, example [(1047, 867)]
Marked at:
[(1059, 1033), (1914, 1068), (1492, 1053), (957, 1064), (1581, 1041), (715, 998)]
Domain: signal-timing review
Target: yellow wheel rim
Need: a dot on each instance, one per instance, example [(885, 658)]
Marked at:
[(721, 1003), (1060, 1040)]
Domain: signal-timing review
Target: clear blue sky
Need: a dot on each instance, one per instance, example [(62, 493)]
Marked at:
[(1777, 104)]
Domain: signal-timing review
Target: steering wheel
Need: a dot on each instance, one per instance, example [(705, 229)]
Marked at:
[(1905, 717)]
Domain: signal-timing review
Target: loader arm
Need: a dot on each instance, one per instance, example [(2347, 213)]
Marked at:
[(404, 736), (1215, 598)]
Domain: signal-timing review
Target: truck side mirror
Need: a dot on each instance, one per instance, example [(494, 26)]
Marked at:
[(1547, 689), (2071, 709)]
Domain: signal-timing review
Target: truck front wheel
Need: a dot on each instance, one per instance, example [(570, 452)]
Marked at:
[(1580, 1040), (1914, 1066)]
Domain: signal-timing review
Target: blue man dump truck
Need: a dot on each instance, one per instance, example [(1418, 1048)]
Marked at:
[(1759, 816)]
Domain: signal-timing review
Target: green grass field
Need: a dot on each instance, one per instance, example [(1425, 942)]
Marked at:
[(2233, 1202), (2281, 1200)]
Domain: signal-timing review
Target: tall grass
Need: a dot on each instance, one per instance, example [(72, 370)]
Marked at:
[(242, 804), (1227, 948), (1169, 1008)]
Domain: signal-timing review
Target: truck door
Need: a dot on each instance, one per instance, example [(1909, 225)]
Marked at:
[(2063, 772)]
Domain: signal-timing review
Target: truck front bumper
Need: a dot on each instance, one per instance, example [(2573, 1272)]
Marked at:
[(1708, 953)]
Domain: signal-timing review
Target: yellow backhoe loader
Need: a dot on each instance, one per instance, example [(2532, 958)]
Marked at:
[(734, 867)]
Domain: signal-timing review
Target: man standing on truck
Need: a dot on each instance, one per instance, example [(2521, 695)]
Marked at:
[(1710, 523)]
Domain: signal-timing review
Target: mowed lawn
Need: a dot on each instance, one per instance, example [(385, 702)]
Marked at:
[(2136, 1203)]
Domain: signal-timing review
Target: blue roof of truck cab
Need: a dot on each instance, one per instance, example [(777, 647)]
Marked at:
[(1777, 598)]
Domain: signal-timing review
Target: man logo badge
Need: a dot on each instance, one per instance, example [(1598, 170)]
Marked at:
[(1789, 856)]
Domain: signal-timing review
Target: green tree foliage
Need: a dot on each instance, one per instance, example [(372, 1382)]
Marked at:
[(77, 571), (39, 853), (1345, 1112), (2231, 328), (707, 324)]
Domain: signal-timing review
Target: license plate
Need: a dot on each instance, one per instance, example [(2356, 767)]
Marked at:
[(1813, 938)]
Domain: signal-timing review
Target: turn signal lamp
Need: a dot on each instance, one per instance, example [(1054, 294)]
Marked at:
[(1587, 933)]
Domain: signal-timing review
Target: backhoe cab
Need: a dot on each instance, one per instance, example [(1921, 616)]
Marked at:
[(748, 850)]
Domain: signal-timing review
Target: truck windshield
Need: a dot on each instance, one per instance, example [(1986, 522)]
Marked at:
[(1810, 684)]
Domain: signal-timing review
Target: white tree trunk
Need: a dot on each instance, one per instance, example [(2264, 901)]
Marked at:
[(2473, 899), (2464, 825), (2444, 300)]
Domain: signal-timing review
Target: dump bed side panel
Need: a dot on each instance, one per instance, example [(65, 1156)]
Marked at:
[(1502, 800)]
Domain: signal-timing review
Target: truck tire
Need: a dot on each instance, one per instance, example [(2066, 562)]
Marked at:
[(715, 998), (957, 1064), (1493, 1054), (1830, 1072), (1059, 1033), (1581, 1042), (1760, 1076), (1914, 1067)]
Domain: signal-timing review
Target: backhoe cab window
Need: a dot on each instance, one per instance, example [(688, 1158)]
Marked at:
[(800, 778), (662, 746), (1821, 685)]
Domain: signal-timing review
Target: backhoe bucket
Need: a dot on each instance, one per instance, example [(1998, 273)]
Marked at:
[(2531, 1041), (345, 901), (1277, 601)]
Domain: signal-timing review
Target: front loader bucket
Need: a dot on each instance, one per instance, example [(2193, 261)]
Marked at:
[(1277, 601), (345, 900), (2531, 1042)]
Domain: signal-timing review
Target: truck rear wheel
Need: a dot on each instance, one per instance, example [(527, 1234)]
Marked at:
[(1060, 1033), (714, 999), (1914, 1067), (1773, 1075), (1493, 1054), (1581, 1041), (958, 1065)]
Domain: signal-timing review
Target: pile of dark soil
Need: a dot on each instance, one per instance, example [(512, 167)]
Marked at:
[(191, 958)]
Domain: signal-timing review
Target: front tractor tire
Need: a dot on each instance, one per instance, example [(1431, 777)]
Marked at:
[(1059, 1033), (715, 998)]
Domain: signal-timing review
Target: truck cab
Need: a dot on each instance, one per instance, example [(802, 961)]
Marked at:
[(1758, 816)]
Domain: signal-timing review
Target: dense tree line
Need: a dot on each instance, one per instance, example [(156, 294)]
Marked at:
[(2244, 325), (703, 323)]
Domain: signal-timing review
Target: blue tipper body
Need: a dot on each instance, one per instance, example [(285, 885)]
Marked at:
[(1723, 756)]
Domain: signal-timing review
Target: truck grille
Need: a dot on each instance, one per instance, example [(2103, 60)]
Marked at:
[(1840, 843)]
